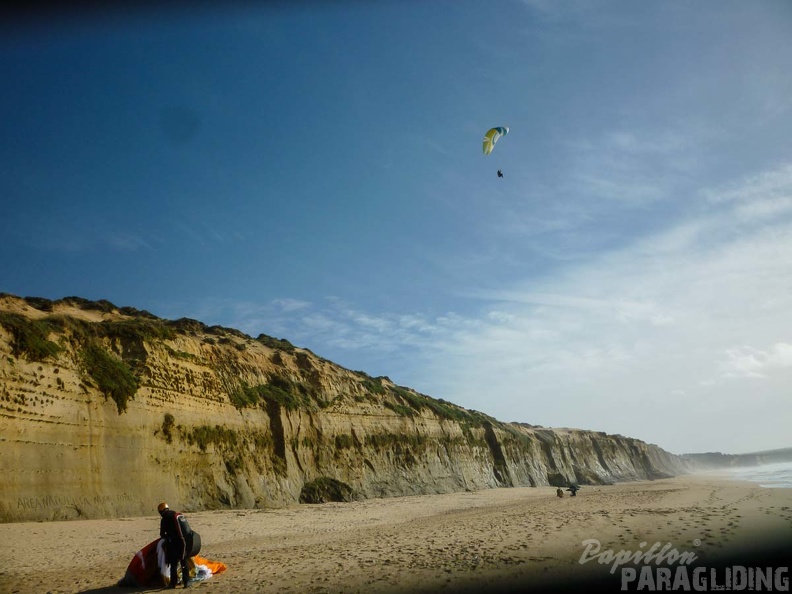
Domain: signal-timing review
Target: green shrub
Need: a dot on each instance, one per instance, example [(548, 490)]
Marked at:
[(303, 361), (440, 408), (279, 390), (261, 440), (244, 396), (400, 409), (373, 385), (39, 303), (30, 337), (113, 377), (167, 427), (344, 441), (137, 313), (288, 399), (204, 435), (188, 325), (103, 305), (137, 329)]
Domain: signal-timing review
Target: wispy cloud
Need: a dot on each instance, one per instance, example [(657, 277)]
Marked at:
[(205, 234), (633, 167), (586, 14), (290, 305), (79, 235), (126, 242), (331, 322), (767, 185), (747, 361)]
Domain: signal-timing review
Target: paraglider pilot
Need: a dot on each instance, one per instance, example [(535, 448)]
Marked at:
[(573, 489), (173, 527), (500, 173)]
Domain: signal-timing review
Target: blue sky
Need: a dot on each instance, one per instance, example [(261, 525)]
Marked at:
[(313, 171)]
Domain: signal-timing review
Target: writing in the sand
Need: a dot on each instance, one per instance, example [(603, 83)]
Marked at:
[(71, 501)]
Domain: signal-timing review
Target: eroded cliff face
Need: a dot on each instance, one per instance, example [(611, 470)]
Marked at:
[(105, 411)]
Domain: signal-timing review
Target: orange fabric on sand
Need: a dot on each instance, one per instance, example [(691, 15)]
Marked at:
[(215, 566)]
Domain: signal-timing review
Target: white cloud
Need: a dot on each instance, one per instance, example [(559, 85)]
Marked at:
[(766, 185), (747, 361), (635, 167), (768, 208), (290, 305), (126, 242)]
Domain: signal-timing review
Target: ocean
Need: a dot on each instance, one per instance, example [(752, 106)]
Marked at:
[(772, 476)]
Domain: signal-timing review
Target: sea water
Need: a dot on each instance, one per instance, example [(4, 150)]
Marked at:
[(772, 476)]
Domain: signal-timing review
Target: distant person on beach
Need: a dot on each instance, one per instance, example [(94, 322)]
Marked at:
[(573, 489), (176, 532), (559, 492)]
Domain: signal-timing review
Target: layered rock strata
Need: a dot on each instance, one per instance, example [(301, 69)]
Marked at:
[(105, 411)]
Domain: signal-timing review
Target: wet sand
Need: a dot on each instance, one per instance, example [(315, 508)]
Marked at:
[(481, 541)]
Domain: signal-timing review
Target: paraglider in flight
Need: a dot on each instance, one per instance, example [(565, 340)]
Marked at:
[(492, 136)]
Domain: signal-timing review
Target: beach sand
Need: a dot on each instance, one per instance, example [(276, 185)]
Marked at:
[(481, 541)]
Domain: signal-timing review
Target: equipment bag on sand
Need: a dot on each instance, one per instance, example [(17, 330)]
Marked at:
[(191, 538), (193, 544)]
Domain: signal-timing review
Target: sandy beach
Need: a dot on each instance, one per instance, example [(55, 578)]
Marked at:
[(480, 541)]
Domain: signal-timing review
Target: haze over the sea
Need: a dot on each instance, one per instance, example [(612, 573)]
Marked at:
[(771, 476)]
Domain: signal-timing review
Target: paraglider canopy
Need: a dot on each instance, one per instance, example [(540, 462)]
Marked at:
[(492, 136)]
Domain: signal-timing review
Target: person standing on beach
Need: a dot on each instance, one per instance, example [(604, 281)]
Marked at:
[(175, 530)]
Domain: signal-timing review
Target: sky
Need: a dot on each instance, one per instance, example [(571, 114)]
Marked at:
[(314, 171)]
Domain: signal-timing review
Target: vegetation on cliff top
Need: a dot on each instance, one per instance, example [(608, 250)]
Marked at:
[(114, 372), (144, 323), (111, 374), (30, 337), (409, 403)]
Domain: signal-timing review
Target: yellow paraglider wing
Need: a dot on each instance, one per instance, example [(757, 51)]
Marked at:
[(492, 136)]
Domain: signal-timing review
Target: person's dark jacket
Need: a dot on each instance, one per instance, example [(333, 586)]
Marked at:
[(176, 531)]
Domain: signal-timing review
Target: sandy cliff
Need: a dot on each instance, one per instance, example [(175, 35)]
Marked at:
[(105, 411)]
